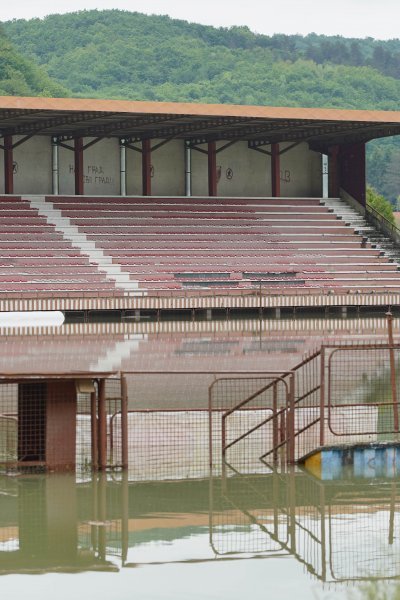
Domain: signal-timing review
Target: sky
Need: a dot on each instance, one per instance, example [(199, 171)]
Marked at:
[(350, 18)]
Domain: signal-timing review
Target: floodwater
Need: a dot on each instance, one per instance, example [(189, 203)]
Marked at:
[(278, 535), (266, 536)]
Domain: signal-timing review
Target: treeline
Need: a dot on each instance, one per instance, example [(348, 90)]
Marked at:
[(129, 55), (119, 54)]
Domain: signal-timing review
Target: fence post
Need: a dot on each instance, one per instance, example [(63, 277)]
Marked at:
[(275, 441), (124, 422), (125, 517), (322, 400), (291, 421), (93, 430), (210, 438), (102, 420), (393, 371)]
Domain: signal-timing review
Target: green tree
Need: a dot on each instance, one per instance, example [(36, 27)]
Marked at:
[(380, 203)]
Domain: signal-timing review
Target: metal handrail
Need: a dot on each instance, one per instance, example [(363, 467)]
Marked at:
[(389, 228)]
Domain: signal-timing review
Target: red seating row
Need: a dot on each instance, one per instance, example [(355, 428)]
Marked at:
[(173, 244)]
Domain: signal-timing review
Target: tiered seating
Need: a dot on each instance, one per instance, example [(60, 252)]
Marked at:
[(230, 243), (35, 258)]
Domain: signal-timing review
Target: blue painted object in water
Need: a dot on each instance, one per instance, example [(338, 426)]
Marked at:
[(365, 461)]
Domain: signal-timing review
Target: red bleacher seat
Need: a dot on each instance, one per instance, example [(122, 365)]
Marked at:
[(232, 245)]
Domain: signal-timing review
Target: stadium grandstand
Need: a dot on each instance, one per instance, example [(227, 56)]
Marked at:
[(161, 208), (114, 205)]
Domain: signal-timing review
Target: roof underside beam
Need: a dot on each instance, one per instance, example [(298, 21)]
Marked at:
[(37, 126), (196, 129), (187, 129)]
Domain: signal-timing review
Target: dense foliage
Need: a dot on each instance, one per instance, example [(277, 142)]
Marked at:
[(119, 54), (22, 77), (129, 55), (379, 203)]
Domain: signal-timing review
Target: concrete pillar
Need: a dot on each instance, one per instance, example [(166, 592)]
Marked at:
[(55, 167), (122, 169), (333, 167), (188, 169), (325, 175)]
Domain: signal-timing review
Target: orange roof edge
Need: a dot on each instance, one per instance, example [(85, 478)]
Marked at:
[(195, 109)]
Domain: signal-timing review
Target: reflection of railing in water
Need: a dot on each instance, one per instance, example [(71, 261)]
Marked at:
[(340, 532), (345, 533)]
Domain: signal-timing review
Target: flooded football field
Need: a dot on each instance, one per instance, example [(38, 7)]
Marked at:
[(281, 535), (166, 528)]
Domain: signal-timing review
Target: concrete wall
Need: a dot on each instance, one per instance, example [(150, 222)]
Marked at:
[(100, 167), (241, 171), (245, 172), (32, 166), (168, 173), (301, 172)]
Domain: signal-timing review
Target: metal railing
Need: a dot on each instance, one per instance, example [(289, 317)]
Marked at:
[(383, 224), (340, 394)]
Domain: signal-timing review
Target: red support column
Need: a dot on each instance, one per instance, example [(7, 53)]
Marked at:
[(146, 167), (78, 157), (8, 165), (352, 171), (333, 168), (275, 171), (212, 169), (60, 425)]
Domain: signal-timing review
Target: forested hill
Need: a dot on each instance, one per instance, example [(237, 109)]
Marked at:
[(119, 54), (20, 76), (130, 55)]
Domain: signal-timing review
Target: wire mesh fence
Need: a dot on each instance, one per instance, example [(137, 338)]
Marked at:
[(247, 421), (168, 425), (307, 405), (362, 393), (175, 425), (52, 425)]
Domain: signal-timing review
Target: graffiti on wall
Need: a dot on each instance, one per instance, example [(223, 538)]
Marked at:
[(94, 174)]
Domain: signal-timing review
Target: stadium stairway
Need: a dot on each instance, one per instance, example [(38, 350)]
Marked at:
[(37, 259), (353, 218)]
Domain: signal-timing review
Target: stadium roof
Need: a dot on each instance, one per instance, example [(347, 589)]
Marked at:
[(68, 118)]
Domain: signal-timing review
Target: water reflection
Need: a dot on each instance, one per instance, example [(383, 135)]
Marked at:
[(340, 531)]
